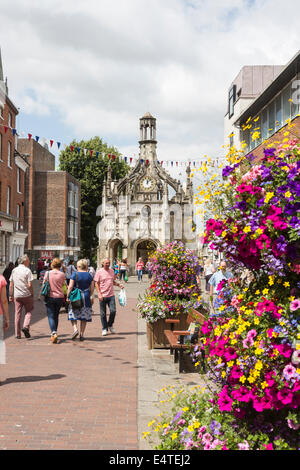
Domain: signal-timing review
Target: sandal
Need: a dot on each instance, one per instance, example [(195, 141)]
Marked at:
[(75, 334)]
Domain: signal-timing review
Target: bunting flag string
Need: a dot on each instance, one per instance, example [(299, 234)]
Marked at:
[(129, 160)]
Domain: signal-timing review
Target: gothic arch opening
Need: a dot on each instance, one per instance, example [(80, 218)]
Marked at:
[(116, 250), (144, 249)]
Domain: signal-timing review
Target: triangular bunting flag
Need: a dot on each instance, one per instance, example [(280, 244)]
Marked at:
[(5, 129), (58, 144), (51, 143), (14, 131), (91, 152), (37, 138), (29, 136), (72, 148)]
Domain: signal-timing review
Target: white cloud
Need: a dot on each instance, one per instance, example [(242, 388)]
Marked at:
[(103, 64)]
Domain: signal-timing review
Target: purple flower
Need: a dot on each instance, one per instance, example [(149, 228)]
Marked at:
[(226, 171)]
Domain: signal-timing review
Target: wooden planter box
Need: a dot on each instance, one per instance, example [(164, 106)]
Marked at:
[(155, 332)]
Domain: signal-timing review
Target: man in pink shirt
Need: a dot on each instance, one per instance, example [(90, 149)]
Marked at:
[(105, 279)]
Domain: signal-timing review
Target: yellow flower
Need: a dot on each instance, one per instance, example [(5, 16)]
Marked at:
[(185, 409), (196, 424), (268, 197), (257, 292), (191, 428), (145, 434), (264, 385), (259, 231), (265, 291), (174, 435), (288, 194), (247, 229), (151, 423), (286, 284)]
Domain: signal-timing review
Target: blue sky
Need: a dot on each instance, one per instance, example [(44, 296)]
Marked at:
[(79, 69)]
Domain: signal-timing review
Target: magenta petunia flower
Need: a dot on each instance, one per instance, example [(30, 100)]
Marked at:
[(285, 396)]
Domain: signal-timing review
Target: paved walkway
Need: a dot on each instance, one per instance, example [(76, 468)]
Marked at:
[(96, 394)]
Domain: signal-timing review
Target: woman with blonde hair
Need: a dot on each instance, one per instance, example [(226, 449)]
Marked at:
[(83, 280), (55, 299)]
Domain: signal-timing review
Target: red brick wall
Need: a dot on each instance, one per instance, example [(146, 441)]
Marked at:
[(8, 176), (39, 159)]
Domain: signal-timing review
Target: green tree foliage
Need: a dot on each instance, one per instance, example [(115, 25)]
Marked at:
[(91, 172)]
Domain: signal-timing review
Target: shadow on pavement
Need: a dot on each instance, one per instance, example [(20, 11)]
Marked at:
[(32, 378)]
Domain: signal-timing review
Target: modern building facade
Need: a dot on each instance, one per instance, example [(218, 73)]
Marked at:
[(12, 182), (270, 111), (147, 208), (52, 216)]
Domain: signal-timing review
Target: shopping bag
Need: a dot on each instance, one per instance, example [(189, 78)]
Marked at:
[(46, 288), (126, 277), (122, 298)]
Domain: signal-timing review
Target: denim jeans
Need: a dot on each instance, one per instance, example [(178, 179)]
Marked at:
[(53, 306), (140, 274), (122, 274), (111, 302)]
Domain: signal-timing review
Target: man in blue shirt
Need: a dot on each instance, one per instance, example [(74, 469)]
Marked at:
[(218, 276)]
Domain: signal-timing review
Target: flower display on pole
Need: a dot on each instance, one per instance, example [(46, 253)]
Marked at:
[(174, 289)]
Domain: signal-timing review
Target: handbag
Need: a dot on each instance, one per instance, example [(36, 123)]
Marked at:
[(46, 287), (75, 297)]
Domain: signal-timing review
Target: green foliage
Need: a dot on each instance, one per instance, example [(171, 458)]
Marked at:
[(91, 171)]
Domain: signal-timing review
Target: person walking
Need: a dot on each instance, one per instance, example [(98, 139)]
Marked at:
[(55, 300), (39, 267), (139, 269), (4, 318), (209, 270), (84, 281), (70, 270), (148, 267), (21, 291), (105, 279), (7, 273), (123, 269), (91, 270)]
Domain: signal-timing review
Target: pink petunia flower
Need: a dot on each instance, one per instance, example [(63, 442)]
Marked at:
[(294, 305), (244, 446)]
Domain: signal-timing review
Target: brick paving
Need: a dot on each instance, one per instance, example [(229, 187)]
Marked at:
[(71, 395)]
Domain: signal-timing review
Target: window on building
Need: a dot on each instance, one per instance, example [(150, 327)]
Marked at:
[(264, 124), (286, 105), (18, 216), (9, 120), (9, 154), (231, 100), (271, 124), (8, 199), (278, 104), (18, 180)]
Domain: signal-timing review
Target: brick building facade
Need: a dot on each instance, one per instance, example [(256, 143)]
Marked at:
[(52, 216), (12, 182)]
